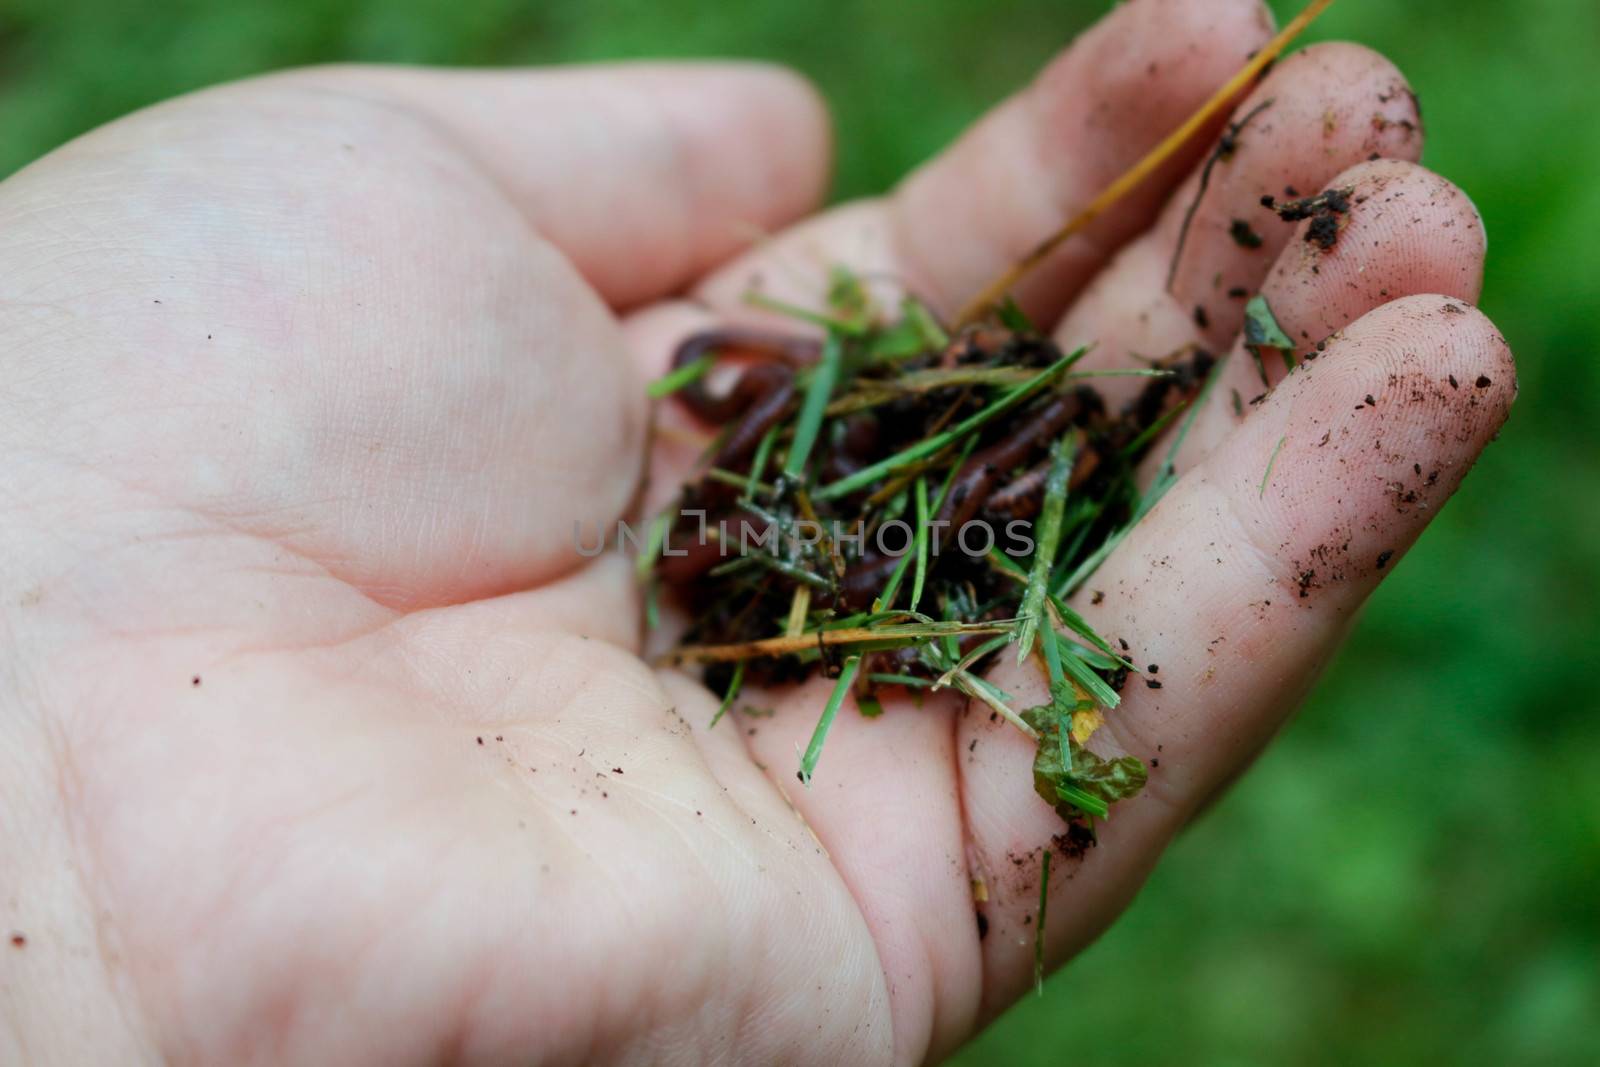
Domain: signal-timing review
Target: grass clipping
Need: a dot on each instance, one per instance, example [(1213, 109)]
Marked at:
[(896, 506), (829, 527)]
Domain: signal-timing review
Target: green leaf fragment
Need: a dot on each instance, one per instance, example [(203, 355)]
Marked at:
[(1261, 331), (1073, 780)]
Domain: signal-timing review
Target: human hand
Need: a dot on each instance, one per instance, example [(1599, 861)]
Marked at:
[(308, 380)]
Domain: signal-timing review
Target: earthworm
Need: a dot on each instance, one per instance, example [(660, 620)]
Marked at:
[(1022, 497), (974, 483), (769, 348), (768, 390), (761, 395), (976, 480), (866, 578)]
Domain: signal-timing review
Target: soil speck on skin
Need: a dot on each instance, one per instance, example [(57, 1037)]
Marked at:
[(1453, 383), (1151, 683), (19, 941), (1097, 597), (1305, 582), (1324, 210), (1243, 235), (1483, 381), (1323, 232), (1075, 842), (1384, 557), (195, 681), (1154, 668), (480, 740), (983, 925)]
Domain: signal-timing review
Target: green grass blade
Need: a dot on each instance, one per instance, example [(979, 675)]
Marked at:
[(794, 311), (1080, 672), (655, 540), (841, 688), (1266, 475), (923, 518), (758, 465), (911, 681), (732, 693), (1038, 933), (917, 553), (824, 376), (1012, 398), (1062, 454), (1052, 660), (676, 379)]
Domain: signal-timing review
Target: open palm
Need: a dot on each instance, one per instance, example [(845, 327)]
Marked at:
[(321, 742)]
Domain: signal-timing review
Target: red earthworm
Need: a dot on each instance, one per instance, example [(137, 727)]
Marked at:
[(972, 486), (768, 390), (761, 395), (1023, 496), (977, 477), (1016, 494), (866, 578), (769, 348)]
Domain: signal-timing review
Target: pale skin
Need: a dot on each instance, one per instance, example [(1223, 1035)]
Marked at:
[(320, 743)]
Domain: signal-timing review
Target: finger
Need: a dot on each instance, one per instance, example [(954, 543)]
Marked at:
[(884, 804), (1237, 588), (405, 340), (644, 175), (1407, 231), (1185, 282), (1030, 164), (1042, 155)]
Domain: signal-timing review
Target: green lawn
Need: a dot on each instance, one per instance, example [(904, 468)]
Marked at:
[(1411, 873)]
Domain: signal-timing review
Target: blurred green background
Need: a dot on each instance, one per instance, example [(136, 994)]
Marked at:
[(1411, 872)]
